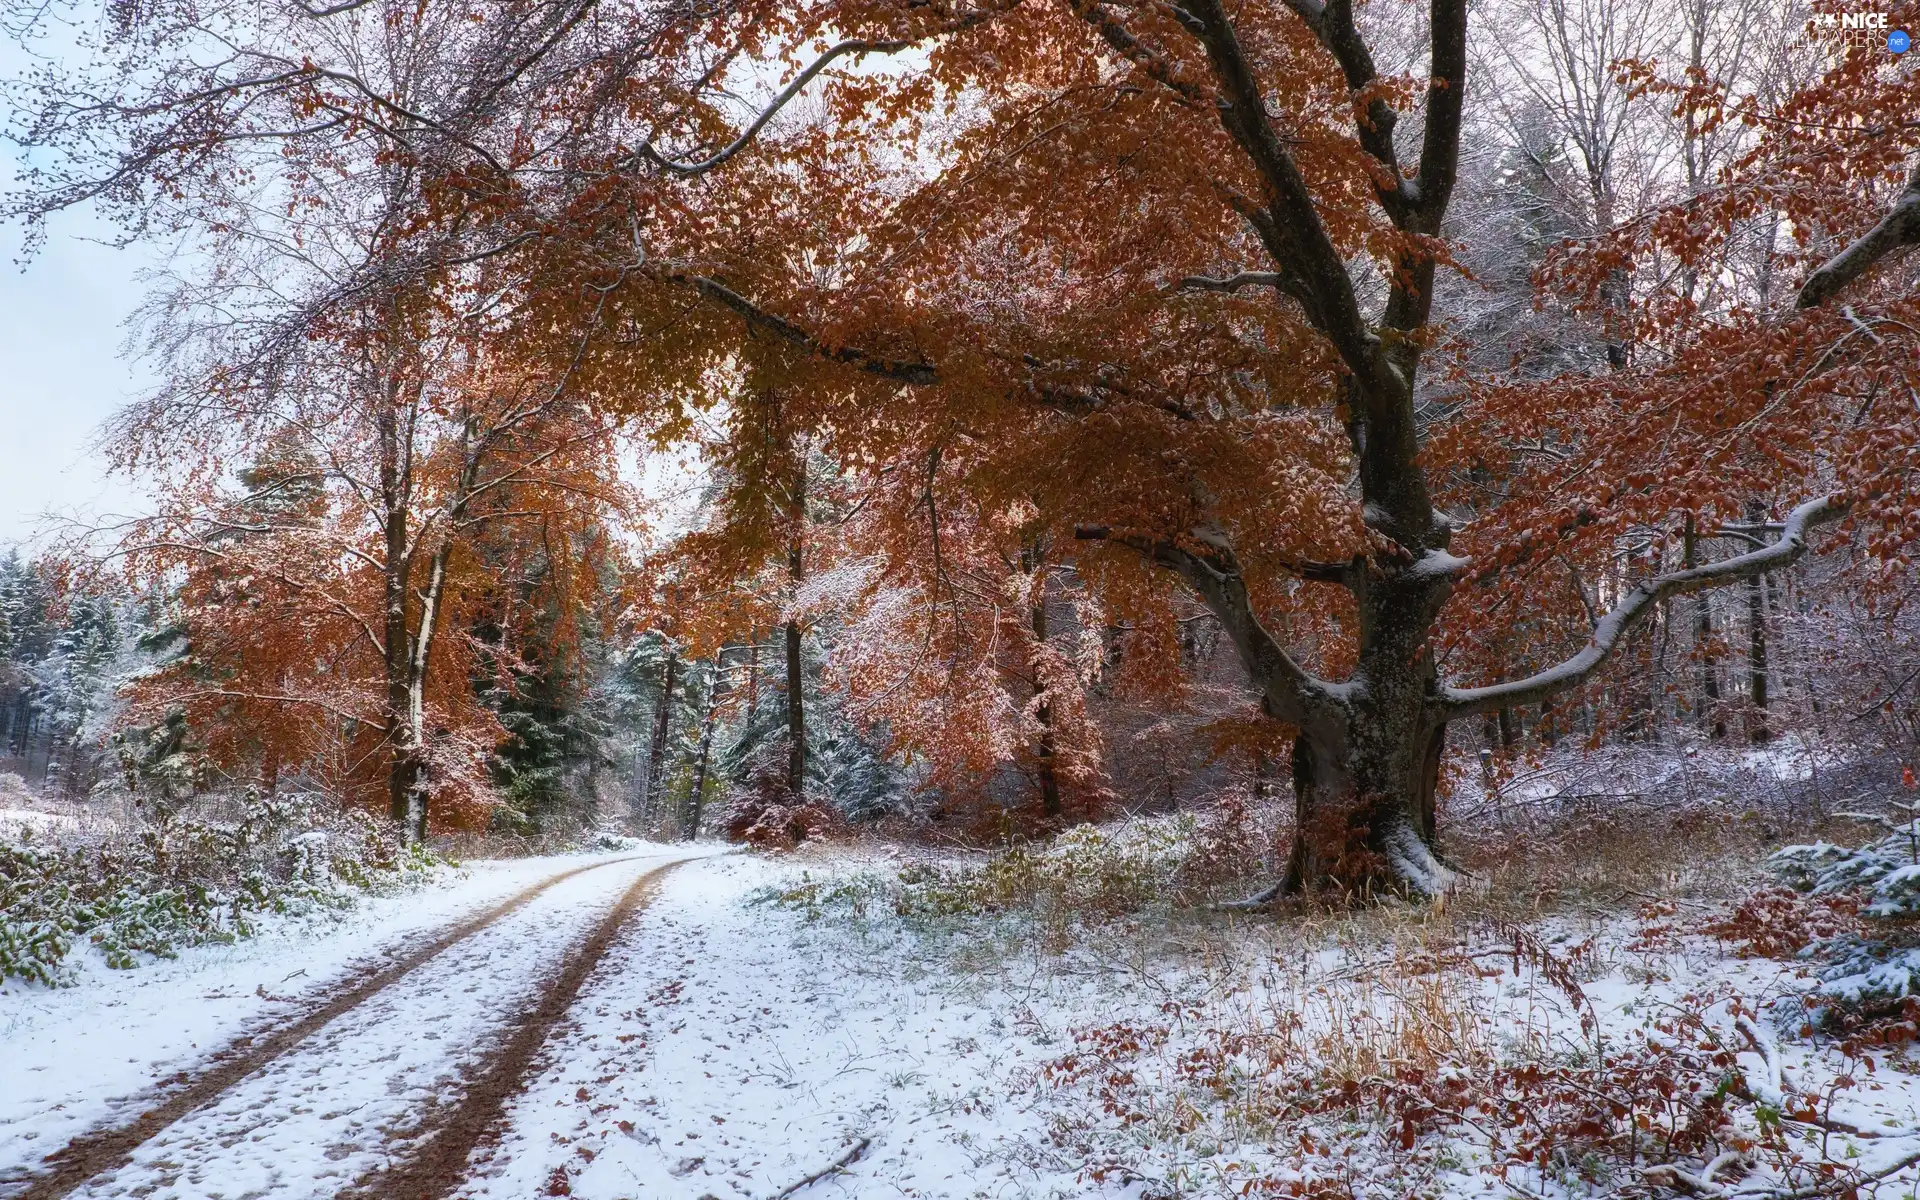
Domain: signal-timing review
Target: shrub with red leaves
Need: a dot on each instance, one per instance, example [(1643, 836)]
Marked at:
[(1779, 922)]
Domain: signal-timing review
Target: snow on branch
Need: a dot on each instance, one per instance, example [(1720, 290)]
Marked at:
[(1607, 634), (1900, 227), (919, 374), (1289, 690), (676, 167), (1233, 283)]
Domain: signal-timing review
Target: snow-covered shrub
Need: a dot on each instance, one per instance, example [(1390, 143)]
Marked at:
[(605, 840), (1874, 971), (1090, 871), (764, 812), (186, 881)]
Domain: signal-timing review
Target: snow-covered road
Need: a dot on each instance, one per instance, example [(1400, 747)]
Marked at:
[(697, 1050)]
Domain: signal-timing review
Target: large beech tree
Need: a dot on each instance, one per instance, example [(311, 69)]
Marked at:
[(1171, 274)]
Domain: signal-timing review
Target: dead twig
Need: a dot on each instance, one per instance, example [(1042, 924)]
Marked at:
[(838, 1165)]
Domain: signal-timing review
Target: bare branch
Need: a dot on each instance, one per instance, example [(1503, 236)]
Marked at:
[(1900, 227), (1288, 691), (1304, 245), (1642, 600), (1332, 23), (855, 46), (1446, 100)]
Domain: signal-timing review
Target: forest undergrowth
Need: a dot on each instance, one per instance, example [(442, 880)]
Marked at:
[(1622, 1004), (185, 875)]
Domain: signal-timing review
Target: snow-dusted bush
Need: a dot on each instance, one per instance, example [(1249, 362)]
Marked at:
[(1876, 971), (185, 881), (1088, 871)]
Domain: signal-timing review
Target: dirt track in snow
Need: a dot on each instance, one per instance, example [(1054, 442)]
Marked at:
[(431, 1156), (439, 1165)]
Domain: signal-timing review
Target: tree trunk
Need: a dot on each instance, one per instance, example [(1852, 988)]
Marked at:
[(1365, 821), (404, 765), (1703, 633), (796, 715), (1043, 709), (417, 776), (1366, 768), (753, 677), (716, 693), (657, 748), (1758, 729), (796, 681)]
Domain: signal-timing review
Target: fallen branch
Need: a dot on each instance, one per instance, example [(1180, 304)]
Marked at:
[(1839, 1185), (1777, 1085), (1258, 900), (838, 1165)]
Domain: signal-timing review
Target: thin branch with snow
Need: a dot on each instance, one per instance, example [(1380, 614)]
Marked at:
[(1634, 607)]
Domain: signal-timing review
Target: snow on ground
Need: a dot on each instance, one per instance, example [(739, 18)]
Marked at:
[(14, 821), (731, 1048), (75, 1055), (725, 1050)]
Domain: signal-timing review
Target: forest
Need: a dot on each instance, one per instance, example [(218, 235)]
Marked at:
[(1179, 487)]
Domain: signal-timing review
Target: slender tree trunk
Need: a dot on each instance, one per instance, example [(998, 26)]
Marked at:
[(796, 680), (1045, 748), (1757, 696), (753, 677), (403, 753), (1703, 633), (418, 666), (1656, 646), (657, 749), (796, 715), (1759, 730), (716, 693)]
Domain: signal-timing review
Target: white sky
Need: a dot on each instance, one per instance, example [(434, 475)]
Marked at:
[(62, 322), (61, 375)]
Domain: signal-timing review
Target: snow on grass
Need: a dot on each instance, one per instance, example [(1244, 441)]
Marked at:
[(762, 1021), (732, 1049)]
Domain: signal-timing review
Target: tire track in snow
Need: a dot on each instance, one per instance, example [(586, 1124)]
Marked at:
[(446, 1140), (110, 1147)]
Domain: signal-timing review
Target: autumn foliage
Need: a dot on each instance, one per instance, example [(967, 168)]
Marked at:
[(1018, 340)]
